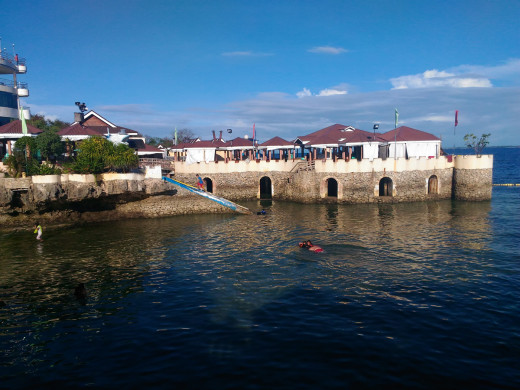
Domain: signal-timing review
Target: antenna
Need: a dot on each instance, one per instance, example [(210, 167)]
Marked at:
[(82, 106)]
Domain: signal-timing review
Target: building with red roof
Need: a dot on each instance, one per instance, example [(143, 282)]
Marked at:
[(11, 132), (96, 125), (277, 147), (411, 143)]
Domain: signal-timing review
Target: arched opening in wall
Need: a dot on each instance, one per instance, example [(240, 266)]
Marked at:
[(433, 185), (16, 199), (332, 188), (209, 184), (385, 187), (265, 188)]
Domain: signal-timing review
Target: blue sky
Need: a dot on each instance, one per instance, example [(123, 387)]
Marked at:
[(290, 67)]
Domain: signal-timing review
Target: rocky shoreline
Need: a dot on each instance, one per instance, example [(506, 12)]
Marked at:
[(23, 202)]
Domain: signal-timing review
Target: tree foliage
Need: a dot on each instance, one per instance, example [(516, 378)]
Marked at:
[(44, 124), (475, 143), (49, 144), (183, 135), (23, 158), (97, 154)]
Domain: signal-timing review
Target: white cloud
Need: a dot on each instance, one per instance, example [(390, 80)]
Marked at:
[(337, 90), (462, 76), (435, 78), (245, 54), (304, 93), (327, 50), (509, 69), (331, 91)]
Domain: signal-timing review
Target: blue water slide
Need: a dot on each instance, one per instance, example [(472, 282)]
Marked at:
[(208, 195)]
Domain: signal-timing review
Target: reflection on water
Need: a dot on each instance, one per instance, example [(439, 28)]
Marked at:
[(238, 290)]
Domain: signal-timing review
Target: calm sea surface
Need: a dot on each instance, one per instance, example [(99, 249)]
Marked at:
[(417, 295)]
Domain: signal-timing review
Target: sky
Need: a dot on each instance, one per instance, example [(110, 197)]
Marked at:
[(288, 67)]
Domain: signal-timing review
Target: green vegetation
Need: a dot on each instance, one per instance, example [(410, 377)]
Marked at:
[(24, 160), (97, 154), (183, 135), (49, 144), (475, 143), (44, 124), (94, 155)]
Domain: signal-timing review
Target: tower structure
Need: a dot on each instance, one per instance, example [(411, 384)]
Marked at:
[(11, 90)]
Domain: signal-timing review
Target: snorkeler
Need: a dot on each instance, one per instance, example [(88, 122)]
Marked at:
[(309, 245)]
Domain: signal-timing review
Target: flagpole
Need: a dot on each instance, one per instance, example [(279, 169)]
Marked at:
[(395, 133)]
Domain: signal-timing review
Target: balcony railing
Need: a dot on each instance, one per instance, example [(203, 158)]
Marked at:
[(10, 60), (10, 83)]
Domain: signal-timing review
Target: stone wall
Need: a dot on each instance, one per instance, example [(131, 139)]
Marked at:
[(472, 184), (23, 202), (311, 186), (75, 198)]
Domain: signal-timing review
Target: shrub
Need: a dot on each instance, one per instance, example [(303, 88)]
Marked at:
[(97, 154)]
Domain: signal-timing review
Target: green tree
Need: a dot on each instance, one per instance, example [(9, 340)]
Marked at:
[(43, 123), (49, 144), (23, 158), (475, 143), (151, 140), (97, 154), (183, 135), (122, 159)]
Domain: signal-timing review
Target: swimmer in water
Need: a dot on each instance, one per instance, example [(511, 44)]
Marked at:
[(38, 231), (309, 245)]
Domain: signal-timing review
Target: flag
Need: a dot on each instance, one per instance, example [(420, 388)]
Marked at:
[(396, 117), (24, 125), (456, 117), (175, 135), (253, 132)]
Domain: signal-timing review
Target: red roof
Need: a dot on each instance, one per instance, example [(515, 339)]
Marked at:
[(240, 142), (15, 127), (204, 144), (337, 134), (404, 133), (77, 129), (277, 141), (149, 148), (113, 130)]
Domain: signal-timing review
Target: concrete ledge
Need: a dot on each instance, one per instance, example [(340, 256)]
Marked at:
[(82, 178), (46, 179), (484, 161), (121, 176)]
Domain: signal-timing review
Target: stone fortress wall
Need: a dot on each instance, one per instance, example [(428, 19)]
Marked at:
[(75, 198), (358, 181)]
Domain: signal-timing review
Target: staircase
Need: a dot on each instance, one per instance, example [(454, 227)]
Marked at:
[(303, 166)]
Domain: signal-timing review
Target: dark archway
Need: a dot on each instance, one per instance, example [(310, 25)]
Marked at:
[(209, 184), (433, 185), (332, 187), (265, 188), (385, 187)]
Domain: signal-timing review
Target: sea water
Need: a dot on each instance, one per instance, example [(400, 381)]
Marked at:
[(413, 295)]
